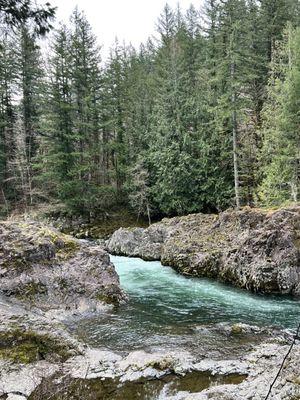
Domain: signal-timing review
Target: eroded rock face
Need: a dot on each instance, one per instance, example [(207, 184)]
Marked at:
[(252, 249), (138, 242), (48, 270), (45, 276)]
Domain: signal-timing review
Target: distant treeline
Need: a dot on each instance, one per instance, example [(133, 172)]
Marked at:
[(203, 117)]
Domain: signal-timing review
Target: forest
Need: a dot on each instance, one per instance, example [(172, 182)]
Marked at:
[(102, 295), (203, 116)]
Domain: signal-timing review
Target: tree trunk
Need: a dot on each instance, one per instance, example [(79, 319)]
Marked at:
[(148, 212), (234, 139)]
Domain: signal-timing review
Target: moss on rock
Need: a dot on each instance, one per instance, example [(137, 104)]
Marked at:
[(26, 346), (51, 270)]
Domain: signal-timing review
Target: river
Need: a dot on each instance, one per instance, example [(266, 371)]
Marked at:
[(169, 311)]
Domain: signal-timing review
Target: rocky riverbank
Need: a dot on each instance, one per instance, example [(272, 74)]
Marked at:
[(103, 375), (46, 277), (251, 249)]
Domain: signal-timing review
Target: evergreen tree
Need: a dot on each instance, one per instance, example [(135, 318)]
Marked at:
[(57, 161), (116, 117), (17, 13), (281, 147), (139, 197), (184, 124), (30, 83), (85, 74), (8, 79), (171, 151), (274, 15)]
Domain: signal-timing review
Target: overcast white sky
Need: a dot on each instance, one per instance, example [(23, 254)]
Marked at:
[(130, 20)]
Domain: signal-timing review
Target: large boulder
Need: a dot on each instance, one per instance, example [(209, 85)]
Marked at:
[(139, 242), (252, 249), (50, 271)]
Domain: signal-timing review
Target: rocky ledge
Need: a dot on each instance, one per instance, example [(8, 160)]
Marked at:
[(43, 268), (261, 367), (45, 276), (98, 374), (252, 249)]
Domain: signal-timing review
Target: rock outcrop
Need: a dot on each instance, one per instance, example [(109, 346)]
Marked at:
[(32, 347), (104, 374), (263, 366), (147, 243), (252, 249), (45, 276), (27, 336), (45, 269)]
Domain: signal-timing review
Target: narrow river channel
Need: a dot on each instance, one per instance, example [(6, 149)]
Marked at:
[(167, 311)]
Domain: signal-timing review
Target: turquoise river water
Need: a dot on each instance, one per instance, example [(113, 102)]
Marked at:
[(167, 310)]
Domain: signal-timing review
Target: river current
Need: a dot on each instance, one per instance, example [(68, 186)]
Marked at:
[(169, 311)]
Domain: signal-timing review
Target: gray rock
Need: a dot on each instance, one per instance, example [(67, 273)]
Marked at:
[(32, 348), (138, 242), (255, 250), (261, 366), (222, 367), (48, 270), (101, 364), (12, 396), (27, 336), (258, 368), (43, 274), (92, 364), (24, 380)]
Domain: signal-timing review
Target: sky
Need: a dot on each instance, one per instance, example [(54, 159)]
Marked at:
[(132, 21)]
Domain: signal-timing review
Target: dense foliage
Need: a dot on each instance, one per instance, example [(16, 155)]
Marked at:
[(203, 117), (16, 13)]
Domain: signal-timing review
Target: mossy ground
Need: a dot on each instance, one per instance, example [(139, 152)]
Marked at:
[(27, 346), (30, 290), (65, 245)]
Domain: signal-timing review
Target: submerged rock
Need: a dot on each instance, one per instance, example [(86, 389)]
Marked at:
[(51, 271), (252, 249), (263, 366)]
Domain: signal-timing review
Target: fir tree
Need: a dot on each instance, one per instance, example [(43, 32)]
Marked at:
[(280, 154), (8, 80), (30, 83)]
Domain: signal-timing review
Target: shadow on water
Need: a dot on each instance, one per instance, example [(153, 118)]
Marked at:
[(108, 389)]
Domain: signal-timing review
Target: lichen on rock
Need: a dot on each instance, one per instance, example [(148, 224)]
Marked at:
[(49, 270), (252, 249)]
